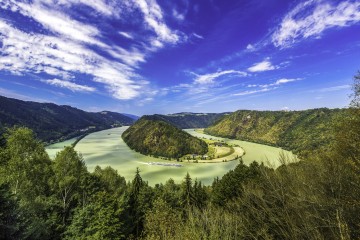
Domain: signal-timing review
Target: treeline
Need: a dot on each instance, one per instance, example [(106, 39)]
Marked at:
[(302, 132), (53, 122), (150, 135), (192, 120)]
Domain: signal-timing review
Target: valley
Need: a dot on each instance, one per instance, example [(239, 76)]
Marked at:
[(107, 148)]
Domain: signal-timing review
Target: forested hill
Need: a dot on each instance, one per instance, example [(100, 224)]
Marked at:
[(151, 135), (192, 120), (53, 122), (299, 131)]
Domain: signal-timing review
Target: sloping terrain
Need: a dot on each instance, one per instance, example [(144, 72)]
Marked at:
[(53, 122), (151, 135), (300, 131), (192, 120)]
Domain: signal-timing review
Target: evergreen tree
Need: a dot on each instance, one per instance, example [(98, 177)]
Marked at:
[(133, 209), (10, 216), (100, 219), (187, 192)]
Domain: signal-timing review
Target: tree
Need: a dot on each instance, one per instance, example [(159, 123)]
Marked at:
[(136, 202), (10, 216), (187, 192), (26, 167), (113, 182), (347, 132), (69, 168), (200, 194), (100, 219), (25, 164), (355, 102), (161, 222)]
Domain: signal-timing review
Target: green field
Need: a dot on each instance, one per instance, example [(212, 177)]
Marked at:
[(106, 148), (253, 151)]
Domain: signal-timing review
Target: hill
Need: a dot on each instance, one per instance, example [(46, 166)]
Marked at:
[(302, 132), (53, 122), (192, 120), (152, 135)]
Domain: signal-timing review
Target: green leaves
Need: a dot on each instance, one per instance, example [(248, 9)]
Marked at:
[(151, 135), (100, 219), (69, 169)]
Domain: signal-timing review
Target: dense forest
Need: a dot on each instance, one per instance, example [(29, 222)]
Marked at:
[(192, 120), (53, 122), (316, 198), (150, 135), (302, 132)]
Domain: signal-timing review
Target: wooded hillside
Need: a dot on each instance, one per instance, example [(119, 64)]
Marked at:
[(151, 135)]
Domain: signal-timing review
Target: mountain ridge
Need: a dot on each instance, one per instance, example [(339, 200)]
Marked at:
[(299, 131), (52, 122)]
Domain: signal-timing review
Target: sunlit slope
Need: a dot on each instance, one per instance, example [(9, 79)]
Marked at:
[(299, 131), (153, 136)]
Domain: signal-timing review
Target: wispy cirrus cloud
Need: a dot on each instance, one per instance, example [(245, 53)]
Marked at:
[(249, 92), (210, 77), (265, 65), (153, 17), (69, 85), (311, 18), (266, 87), (63, 46), (277, 83)]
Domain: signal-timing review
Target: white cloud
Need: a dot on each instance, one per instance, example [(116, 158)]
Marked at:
[(126, 34), (69, 85), (285, 80), (311, 18), (178, 16), (36, 53), (209, 78), (198, 36), (250, 48), (266, 87), (153, 17), (265, 65), (67, 48), (60, 23), (277, 83), (244, 93)]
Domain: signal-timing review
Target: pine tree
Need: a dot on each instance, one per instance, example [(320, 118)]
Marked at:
[(187, 192)]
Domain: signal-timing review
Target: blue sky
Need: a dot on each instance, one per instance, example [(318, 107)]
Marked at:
[(160, 56)]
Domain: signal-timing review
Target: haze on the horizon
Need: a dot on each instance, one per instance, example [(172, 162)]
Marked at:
[(146, 56)]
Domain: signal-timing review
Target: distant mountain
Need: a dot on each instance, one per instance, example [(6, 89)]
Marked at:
[(151, 135), (302, 132), (192, 120), (53, 122), (131, 116)]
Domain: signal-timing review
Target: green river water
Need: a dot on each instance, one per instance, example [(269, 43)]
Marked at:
[(106, 148)]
